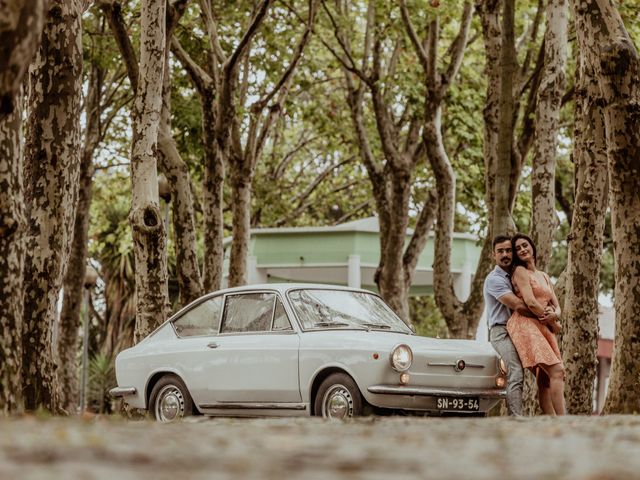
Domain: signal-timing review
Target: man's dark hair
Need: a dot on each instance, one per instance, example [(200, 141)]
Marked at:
[(499, 239), (516, 262)]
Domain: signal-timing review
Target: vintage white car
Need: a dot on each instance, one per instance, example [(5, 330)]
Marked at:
[(302, 349)]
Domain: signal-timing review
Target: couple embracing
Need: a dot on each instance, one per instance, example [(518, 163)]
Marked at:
[(523, 317)]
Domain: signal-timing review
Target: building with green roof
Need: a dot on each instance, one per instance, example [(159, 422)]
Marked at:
[(347, 254)]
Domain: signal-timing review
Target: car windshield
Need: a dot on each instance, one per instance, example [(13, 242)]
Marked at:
[(325, 309)]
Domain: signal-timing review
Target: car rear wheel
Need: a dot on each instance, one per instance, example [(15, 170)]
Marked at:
[(338, 397), (170, 400)]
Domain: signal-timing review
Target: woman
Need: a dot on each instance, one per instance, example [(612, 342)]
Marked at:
[(535, 339)]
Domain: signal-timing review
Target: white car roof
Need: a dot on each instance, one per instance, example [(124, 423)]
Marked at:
[(279, 287), (284, 287)]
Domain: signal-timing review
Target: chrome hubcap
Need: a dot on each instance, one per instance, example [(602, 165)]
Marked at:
[(337, 403), (170, 404)]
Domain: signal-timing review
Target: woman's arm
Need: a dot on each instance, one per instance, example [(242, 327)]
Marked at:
[(552, 312), (554, 299), (521, 281)]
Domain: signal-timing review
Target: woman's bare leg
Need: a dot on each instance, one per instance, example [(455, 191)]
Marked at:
[(544, 393), (556, 381)]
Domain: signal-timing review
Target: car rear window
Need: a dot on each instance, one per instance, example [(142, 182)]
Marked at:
[(203, 319)]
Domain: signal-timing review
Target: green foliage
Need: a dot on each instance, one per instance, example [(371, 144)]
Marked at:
[(426, 317), (102, 378), (316, 130)]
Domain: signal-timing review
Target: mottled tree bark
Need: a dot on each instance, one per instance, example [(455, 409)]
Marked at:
[(68, 340), (544, 219), (52, 162), (580, 311), (12, 251), (391, 177), (502, 221), (213, 202), (489, 12), (609, 50), (149, 236), (169, 159), (462, 316), (217, 86), (177, 174), (214, 159), (20, 31), (243, 160), (241, 181)]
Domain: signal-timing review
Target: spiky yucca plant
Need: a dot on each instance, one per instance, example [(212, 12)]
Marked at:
[(102, 378)]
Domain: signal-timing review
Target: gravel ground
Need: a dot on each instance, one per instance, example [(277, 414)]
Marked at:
[(311, 448)]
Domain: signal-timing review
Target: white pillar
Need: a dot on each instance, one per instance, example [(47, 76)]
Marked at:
[(255, 274), (462, 283), (353, 271)]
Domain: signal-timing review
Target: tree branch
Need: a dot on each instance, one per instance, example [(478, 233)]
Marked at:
[(251, 31), (302, 203), (458, 47), (420, 235), (417, 43), (200, 79), (113, 12), (279, 170), (216, 54), (353, 212), (295, 59)]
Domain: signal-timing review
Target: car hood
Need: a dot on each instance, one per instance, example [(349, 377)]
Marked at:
[(448, 345), (376, 339)]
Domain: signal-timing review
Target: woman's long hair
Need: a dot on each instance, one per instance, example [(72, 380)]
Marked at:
[(516, 262)]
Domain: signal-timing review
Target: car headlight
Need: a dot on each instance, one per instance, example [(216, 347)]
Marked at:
[(401, 358), (503, 366)]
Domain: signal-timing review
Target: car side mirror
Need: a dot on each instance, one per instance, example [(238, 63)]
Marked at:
[(413, 329)]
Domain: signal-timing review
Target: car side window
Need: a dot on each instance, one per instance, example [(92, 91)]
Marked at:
[(201, 320), (281, 321), (249, 312)]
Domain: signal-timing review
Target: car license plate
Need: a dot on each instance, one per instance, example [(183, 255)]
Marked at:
[(458, 404)]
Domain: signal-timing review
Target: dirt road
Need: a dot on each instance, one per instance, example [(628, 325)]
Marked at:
[(373, 448)]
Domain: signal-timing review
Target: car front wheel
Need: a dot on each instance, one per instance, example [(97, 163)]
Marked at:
[(170, 400), (338, 397)]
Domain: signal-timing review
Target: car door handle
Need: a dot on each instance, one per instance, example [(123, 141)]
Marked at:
[(212, 345)]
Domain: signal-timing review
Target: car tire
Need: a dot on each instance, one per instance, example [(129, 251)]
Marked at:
[(170, 400), (338, 398)]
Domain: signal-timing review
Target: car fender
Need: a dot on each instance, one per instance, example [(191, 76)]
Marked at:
[(307, 391), (156, 374)]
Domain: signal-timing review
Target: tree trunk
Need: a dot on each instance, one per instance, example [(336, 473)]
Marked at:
[(12, 251), (212, 187), (52, 162), (610, 50), (391, 282), (177, 174), (241, 181), (70, 320), (150, 244), (502, 221), (580, 312), (544, 218), (489, 11), (462, 317), (20, 31)]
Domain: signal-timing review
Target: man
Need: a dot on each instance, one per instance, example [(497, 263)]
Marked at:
[(500, 301)]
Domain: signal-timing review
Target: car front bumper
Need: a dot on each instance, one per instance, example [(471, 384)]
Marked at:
[(417, 398), (496, 393)]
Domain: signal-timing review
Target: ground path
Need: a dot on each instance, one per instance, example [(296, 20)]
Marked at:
[(390, 448)]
